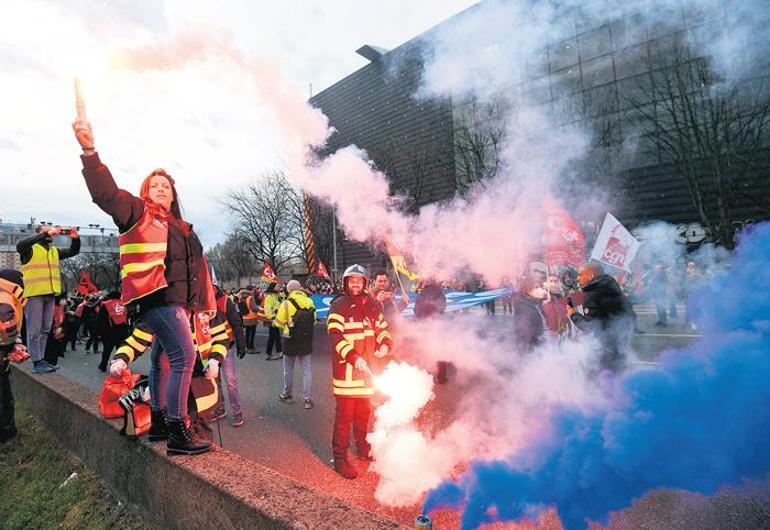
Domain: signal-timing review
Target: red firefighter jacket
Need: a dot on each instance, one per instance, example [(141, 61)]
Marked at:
[(356, 328)]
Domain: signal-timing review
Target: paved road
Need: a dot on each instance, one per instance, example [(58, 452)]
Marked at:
[(296, 442)]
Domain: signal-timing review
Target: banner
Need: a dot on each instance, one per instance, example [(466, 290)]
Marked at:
[(86, 286), (615, 245), (565, 243), (455, 301), (321, 271), (268, 274)]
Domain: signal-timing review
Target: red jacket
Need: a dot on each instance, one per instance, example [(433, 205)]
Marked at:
[(356, 328)]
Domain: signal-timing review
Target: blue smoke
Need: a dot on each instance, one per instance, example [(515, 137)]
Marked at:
[(700, 421)]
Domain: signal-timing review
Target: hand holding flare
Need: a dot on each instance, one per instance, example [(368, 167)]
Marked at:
[(82, 128)]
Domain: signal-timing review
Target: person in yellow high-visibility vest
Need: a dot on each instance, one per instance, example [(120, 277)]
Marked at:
[(42, 283)]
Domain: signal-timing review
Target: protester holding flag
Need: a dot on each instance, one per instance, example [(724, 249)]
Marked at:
[(42, 283), (391, 306), (163, 271), (607, 315)]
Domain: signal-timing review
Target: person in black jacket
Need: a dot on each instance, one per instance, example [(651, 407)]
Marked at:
[(607, 315), (165, 308)]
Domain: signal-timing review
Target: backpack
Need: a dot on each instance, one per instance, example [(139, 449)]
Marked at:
[(300, 341)]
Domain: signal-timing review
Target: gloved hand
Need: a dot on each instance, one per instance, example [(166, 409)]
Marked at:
[(241, 353), (117, 367), (212, 369), (362, 365), (382, 352)]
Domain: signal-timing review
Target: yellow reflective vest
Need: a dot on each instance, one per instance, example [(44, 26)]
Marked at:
[(42, 275)]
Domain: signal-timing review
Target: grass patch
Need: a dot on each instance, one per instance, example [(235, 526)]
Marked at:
[(33, 467)]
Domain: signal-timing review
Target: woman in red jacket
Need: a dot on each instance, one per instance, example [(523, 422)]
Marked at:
[(164, 276)]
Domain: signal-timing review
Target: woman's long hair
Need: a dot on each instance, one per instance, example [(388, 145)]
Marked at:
[(175, 210)]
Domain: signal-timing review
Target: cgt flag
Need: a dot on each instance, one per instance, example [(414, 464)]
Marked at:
[(615, 245), (268, 274), (321, 271), (565, 243), (86, 286)]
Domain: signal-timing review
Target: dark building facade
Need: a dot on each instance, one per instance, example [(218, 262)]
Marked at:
[(407, 138), (605, 76)]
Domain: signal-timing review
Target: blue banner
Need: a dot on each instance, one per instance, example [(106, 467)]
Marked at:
[(455, 301)]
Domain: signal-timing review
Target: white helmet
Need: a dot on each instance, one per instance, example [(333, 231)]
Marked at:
[(354, 270)]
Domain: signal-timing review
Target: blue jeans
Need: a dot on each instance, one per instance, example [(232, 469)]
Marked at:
[(227, 371), (170, 387), (307, 374), (39, 316)]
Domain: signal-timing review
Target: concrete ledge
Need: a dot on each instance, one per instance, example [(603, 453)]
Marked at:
[(219, 489)]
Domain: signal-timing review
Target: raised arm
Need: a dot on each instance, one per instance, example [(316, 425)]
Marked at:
[(124, 208)]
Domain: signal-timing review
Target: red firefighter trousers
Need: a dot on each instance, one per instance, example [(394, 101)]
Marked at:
[(355, 410)]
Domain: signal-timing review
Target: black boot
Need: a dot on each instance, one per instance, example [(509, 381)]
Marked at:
[(343, 467), (183, 441), (159, 426)]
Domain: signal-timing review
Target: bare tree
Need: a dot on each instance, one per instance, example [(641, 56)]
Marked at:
[(102, 268), (230, 261), (479, 131), (712, 133), (266, 222)]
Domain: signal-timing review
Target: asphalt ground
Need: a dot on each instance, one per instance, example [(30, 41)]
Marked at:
[(297, 442)]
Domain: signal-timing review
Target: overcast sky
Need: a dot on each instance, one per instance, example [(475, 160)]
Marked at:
[(203, 123)]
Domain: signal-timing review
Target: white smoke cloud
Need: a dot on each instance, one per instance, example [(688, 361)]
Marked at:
[(506, 396)]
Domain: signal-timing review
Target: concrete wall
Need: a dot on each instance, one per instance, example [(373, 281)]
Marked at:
[(215, 490)]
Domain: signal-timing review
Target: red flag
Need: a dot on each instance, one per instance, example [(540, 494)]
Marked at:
[(321, 271), (86, 286), (565, 243), (268, 274)]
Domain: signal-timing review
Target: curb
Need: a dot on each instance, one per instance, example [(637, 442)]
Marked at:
[(218, 489)]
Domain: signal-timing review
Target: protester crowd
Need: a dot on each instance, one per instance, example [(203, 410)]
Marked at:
[(170, 306)]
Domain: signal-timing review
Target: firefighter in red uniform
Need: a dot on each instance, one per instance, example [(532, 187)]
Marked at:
[(358, 331)]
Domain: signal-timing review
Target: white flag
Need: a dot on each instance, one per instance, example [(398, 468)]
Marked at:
[(615, 245)]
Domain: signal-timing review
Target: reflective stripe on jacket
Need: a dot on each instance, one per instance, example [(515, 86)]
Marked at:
[(142, 257), (41, 273), (253, 317), (356, 328), (11, 294), (206, 345)]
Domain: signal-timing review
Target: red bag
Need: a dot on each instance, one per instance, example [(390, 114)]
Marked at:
[(137, 421), (137, 417), (112, 389)]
